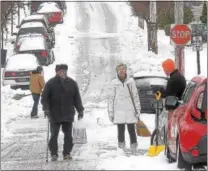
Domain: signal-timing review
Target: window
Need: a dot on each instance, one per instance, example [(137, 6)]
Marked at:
[(188, 91), (200, 101)]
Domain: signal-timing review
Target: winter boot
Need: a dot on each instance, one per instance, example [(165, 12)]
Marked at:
[(67, 157), (54, 158), (34, 117), (134, 148), (121, 145)]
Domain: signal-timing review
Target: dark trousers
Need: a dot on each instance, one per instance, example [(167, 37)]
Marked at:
[(36, 99), (131, 130), (68, 140)]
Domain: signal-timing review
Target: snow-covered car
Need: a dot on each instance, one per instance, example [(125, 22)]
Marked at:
[(38, 47), (147, 85), (16, 73), (21, 38), (36, 27), (52, 11), (36, 4), (38, 18)]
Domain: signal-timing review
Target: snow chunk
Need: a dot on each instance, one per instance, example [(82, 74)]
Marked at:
[(28, 61)]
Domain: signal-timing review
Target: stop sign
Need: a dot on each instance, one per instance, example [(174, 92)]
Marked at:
[(180, 34)]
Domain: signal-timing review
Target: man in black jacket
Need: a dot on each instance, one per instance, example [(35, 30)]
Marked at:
[(60, 96), (176, 83)]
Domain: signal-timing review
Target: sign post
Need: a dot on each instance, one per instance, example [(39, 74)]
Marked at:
[(180, 35)]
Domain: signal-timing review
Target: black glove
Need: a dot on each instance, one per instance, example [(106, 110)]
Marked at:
[(47, 113), (80, 115)]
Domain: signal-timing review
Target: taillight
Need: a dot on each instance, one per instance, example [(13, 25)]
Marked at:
[(17, 46), (44, 53), (195, 152), (57, 14), (10, 74)]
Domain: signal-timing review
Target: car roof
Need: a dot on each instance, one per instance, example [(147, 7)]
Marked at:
[(32, 43), (199, 79), (48, 7), (35, 16), (30, 62), (32, 24)]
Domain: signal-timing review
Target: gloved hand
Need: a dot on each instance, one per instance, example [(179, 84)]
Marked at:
[(137, 115), (80, 115), (47, 113), (111, 117)]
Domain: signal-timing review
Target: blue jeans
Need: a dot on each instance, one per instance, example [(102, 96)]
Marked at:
[(36, 98)]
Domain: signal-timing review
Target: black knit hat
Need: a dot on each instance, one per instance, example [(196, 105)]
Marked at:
[(61, 66)]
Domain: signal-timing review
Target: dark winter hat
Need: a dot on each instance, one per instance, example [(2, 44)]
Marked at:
[(61, 66), (39, 69)]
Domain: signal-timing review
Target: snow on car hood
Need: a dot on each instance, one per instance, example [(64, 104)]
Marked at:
[(28, 62), (48, 7)]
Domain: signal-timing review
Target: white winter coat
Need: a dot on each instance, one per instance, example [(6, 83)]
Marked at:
[(119, 101)]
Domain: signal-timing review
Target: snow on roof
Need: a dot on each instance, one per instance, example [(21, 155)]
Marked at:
[(32, 43), (21, 61), (48, 7), (29, 35), (32, 17), (32, 24)]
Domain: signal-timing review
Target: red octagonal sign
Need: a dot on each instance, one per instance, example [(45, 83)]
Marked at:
[(180, 34)]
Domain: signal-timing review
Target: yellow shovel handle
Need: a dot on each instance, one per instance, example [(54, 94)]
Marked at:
[(158, 95)]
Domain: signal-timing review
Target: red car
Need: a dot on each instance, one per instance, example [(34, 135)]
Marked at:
[(186, 135)]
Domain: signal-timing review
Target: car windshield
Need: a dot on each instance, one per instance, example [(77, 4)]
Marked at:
[(40, 30)]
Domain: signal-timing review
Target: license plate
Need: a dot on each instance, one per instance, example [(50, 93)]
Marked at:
[(22, 80), (150, 92)]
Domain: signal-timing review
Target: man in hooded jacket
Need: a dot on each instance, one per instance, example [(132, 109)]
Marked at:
[(60, 98), (120, 107)]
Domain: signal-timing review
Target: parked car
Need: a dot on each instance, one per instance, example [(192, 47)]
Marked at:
[(19, 75), (36, 27), (147, 85), (35, 5), (52, 11), (186, 137), (38, 47), (39, 18), (21, 38)]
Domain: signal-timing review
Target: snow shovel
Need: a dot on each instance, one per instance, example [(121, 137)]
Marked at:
[(154, 150), (20, 96), (79, 133), (141, 128)]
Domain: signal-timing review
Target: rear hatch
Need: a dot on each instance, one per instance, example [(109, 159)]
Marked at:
[(147, 86)]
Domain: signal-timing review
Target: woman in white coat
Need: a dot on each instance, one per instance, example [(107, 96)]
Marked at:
[(120, 106)]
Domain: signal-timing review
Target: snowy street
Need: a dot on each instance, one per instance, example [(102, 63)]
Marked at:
[(93, 39)]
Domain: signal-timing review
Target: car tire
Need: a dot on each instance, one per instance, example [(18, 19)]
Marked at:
[(181, 163)]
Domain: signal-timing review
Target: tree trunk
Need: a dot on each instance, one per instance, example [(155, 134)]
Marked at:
[(12, 23)]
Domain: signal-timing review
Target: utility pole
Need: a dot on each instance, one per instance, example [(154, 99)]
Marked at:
[(12, 22), (179, 50), (18, 6), (153, 26)]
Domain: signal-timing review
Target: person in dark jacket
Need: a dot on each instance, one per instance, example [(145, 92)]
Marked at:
[(37, 84), (176, 83), (59, 99)]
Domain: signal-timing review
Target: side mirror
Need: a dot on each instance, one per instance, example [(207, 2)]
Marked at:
[(171, 103), (12, 42), (15, 34)]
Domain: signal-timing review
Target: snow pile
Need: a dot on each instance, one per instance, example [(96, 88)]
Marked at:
[(32, 43), (29, 62), (32, 24), (48, 7), (32, 17)]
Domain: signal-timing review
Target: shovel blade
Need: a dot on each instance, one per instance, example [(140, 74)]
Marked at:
[(18, 96), (79, 136), (155, 150)]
